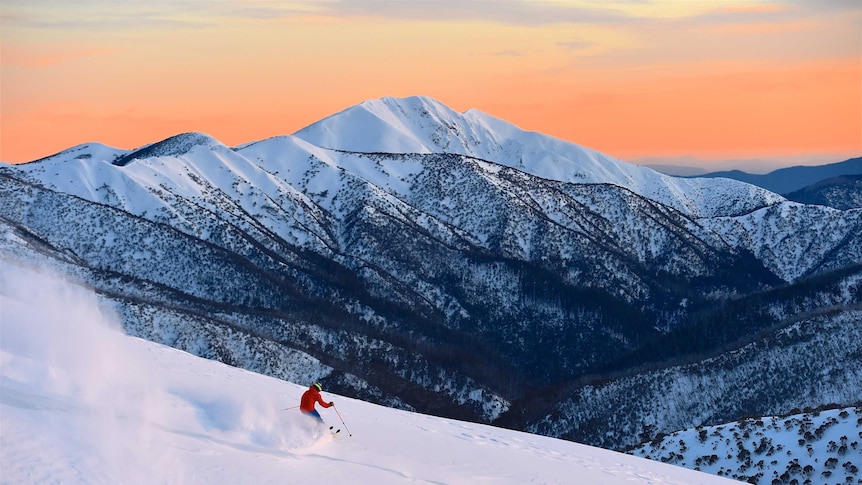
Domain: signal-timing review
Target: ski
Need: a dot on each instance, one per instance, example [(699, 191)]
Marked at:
[(334, 432)]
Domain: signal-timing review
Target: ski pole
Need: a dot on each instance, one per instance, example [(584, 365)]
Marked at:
[(342, 420), (292, 407)]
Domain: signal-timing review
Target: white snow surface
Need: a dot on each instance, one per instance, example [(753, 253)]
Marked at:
[(820, 447), (80, 402)]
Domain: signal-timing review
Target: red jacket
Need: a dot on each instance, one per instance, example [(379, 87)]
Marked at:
[(311, 396)]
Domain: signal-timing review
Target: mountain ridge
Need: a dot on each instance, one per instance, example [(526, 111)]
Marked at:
[(486, 137), (842, 192)]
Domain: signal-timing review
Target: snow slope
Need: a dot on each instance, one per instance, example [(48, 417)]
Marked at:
[(814, 447), (82, 403)]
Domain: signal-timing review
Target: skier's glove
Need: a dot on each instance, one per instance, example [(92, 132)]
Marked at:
[(331, 403)]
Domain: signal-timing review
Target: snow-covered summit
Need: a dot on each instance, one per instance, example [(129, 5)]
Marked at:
[(174, 146), (423, 125), (92, 151), (188, 165), (420, 124), (391, 125)]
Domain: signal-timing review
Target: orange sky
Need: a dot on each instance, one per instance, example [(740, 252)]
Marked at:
[(715, 80)]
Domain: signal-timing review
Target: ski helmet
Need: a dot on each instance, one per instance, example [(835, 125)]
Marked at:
[(317, 386)]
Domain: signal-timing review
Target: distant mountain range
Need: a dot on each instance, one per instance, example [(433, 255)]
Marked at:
[(782, 181), (684, 166), (451, 263)]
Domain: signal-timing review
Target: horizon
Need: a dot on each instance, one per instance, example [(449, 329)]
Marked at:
[(768, 83)]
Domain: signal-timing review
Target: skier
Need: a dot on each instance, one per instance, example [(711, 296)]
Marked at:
[(309, 398)]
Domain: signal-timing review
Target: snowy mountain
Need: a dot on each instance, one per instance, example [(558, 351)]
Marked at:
[(453, 264), (422, 125), (80, 403)]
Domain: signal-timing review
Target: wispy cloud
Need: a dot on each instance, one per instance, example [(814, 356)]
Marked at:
[(25, 58), (507, 12), (545, 12), (576, 44), (169, 14), (510, 53), (100, 16)]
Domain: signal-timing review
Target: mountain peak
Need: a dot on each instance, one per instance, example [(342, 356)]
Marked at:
[(412, 102), (420, 124), (173, 146), (415, 124), (410, 107), (85, 151)]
